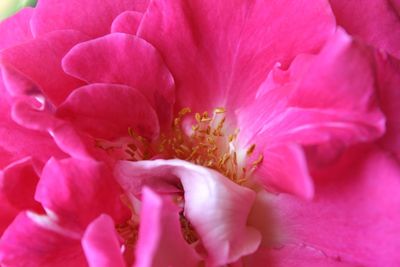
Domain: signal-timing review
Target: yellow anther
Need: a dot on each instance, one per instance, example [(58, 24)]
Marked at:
[(197, 117), (250, 150), (259, 160), (184, 111), (219, 110)]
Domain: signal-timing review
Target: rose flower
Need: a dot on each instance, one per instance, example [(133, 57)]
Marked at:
[(200, 133)]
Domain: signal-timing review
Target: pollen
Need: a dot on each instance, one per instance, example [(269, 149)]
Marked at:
[(208, 142)]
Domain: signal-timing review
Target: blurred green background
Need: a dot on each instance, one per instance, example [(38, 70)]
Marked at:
[(9, 7)]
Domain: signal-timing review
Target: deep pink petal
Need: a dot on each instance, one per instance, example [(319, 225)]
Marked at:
[(324, 98), (388, 71), (107, 111), (125, 59), (160, 241), (101, 245), (127, 22), (295, 255), (210, 204), (354, 216), (16, 29), (377, 22), (40, 60), (34, 240), (78, 191), (17, 142), (285, 170), (18, 184), (217, 51), (92, 17)]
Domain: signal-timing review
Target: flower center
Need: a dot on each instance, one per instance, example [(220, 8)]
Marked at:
[(208, 142)]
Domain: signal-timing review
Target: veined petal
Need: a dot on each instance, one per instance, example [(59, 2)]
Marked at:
[(160, 241), (210, 204), (127, 22), (217, 51), (101, 245), (125, 59), (16, 29), (78, 191), (92, 17), (31, 240)]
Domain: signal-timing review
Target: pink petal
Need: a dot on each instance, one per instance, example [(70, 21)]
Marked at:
[(139, 66), (295, 255), (127, 22), (354, 216), (389, 97), (285, 169), (91, 17), (210, 204), (217, 51), (16, 29), (101, 245), (78, 191), (39, 60), (107, 111), (18, 184), (17, 142), (28, 243), (376, 22), (160, 241)]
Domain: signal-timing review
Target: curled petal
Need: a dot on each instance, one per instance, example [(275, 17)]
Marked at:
[(210, 204), (101, 245), (160, 240)]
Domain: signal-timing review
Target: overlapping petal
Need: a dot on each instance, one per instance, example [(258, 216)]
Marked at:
[(210, 204), (217, 51)]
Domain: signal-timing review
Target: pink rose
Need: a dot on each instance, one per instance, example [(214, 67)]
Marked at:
[(190, 133)]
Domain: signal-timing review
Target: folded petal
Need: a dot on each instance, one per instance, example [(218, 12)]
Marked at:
[(39, 60), (18, 184), (101, 245), (354, 216), (217, 51), (16, 29), (160, 240), (92, 17), (210, 204), (328, 97), (78, 191), (285, 170), (388, 72), (33, 240), (107, 111), (377, 22), (125, 59), (127, 22)]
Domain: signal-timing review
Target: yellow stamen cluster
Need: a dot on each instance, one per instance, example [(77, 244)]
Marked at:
[(206, 144)]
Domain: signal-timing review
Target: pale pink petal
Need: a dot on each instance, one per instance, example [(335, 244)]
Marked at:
[(107, 111), (78, 191), (388, 72), (375, 21), (101, 244), (285, 170), (29, 242), (211, 204), (217, 51), (39, 60), (160, 241), (355, 213), (18, 184), (92, 17), (16, 29), (125, 59), (127, 22)]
